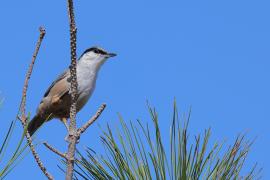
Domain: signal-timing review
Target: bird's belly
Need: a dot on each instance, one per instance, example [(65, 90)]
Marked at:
[(84, 93), (82, 100)]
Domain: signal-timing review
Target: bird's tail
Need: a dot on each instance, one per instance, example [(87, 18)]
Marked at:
[(35, 123)]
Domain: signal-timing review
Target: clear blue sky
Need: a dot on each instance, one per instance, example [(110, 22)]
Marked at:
[(212, 56)]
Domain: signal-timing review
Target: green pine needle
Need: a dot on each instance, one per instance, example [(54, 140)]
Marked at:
[(136, 151)]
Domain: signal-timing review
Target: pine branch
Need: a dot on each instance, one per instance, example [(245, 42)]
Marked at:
[(23, 117)]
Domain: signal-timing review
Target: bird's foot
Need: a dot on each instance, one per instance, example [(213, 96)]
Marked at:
[(69, 138)]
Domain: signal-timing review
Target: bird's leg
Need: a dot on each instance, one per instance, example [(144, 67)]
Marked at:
[(64, 120), (67, 138)]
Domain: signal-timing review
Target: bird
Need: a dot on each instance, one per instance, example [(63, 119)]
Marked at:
[(56, 101)]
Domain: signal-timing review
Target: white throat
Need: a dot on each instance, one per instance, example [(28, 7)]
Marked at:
[(87, 72)]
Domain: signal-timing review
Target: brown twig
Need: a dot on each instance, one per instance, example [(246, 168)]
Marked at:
[(63, 155), (91, 120), (30, 69), (73, 71), (23, 118)]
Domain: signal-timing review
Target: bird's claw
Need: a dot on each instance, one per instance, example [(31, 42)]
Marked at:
[(69, 137)]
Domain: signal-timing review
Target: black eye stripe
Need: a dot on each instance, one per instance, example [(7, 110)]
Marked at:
[(96, 50), (99, 51)]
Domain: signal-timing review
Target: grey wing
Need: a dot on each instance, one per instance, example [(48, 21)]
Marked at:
[(56, 91), (59, 78)]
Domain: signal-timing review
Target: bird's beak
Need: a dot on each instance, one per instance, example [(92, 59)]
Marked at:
[(111, 54)]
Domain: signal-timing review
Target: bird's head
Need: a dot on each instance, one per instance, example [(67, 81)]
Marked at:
[(95, 56)]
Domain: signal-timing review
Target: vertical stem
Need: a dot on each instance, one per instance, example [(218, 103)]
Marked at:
[(73, 69), (74, 85), (70, 158)]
